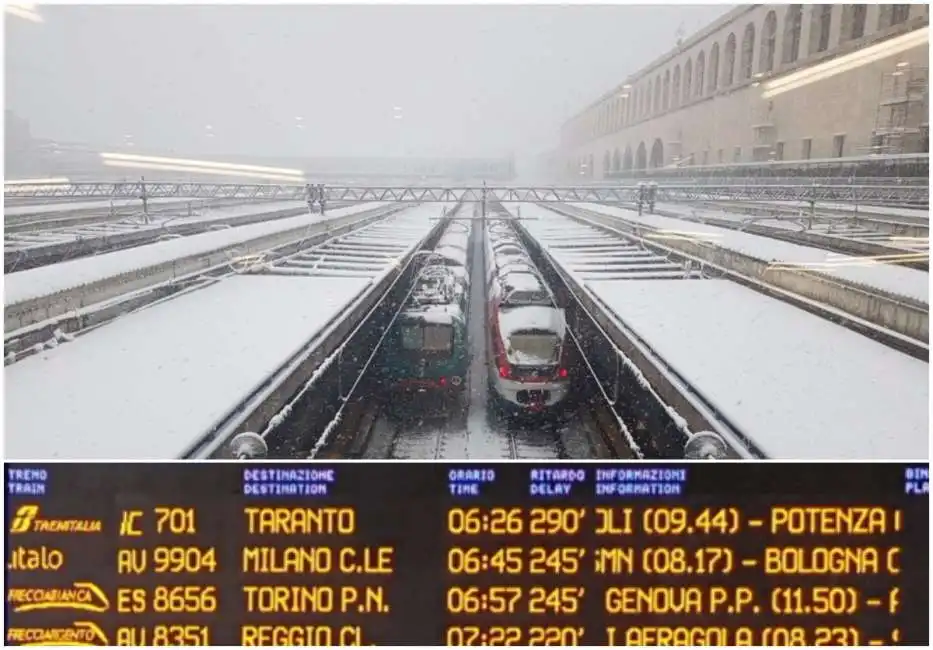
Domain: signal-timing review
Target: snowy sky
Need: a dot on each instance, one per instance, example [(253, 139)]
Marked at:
[(469, 80)]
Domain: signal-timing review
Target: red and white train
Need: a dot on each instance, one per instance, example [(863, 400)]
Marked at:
[(527, 333)]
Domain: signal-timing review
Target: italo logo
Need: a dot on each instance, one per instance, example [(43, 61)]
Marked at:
[(78, 633), (29, 520), (86, 596)]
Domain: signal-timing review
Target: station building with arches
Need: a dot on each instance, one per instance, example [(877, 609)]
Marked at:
[(764, 83)]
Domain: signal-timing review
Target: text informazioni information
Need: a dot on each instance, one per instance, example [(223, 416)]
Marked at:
[(467, 554)]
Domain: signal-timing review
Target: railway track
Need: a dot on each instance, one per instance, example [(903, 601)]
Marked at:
[(18, 220), (888, 240), (900, 322), (24, 251), (21, 342), (368, 427)]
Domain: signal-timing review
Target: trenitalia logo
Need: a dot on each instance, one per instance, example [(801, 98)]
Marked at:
[(28, 520), (85, 596)]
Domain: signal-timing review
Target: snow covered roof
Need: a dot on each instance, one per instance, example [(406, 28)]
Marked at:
[(519, 319), (519, 281), (434, 314), (453, 254)]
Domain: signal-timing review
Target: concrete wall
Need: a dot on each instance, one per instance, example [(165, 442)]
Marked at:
[(716, 122)]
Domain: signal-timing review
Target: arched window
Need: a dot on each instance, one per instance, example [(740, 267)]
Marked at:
[(657, 94), (853, 22), (793, 20), (616, 162), (768, 43), (667, 90), (728, 70), (701, 74), (899, 14), (714, 68), (676, 97), (688, 80), (821, 17), (607, 161), (748, 52)]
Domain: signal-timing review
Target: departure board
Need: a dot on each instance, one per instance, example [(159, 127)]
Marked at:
[(545, 553)]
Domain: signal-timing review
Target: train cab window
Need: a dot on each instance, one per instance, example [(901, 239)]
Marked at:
[(438, 338), (427, 337), (412, 337), (534, 348)]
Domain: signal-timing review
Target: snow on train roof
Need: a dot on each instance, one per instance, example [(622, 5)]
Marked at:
[(521, 281), (453, 253), (532, 317), (434, 314)]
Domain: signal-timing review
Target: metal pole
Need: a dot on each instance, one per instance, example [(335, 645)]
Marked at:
[(142, 192), (484, 201)]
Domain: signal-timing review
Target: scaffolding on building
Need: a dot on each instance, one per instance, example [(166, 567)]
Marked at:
[(902, 120)]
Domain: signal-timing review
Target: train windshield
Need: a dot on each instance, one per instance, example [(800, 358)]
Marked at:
[(534, 348), (427, 337)]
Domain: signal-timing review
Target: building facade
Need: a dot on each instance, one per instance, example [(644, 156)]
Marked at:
[(765, 82)]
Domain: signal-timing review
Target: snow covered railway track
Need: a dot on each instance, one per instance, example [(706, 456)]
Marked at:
[(24, 251), (21, 342), (675, 358), (47, 211), (236, 354), (891, 242), (654, 410), (49, 292), (378, 436), (882, 215), (898, 321)]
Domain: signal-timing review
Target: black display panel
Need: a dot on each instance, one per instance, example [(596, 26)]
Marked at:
[(352, 553)]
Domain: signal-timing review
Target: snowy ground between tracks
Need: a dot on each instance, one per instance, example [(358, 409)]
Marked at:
[(894, 279), (799, 386), (147, 385), (47, 280)]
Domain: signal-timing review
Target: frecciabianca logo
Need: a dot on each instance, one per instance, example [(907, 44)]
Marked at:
[(28, 519)]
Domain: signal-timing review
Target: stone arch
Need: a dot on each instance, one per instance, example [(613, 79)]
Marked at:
[(666, 100), (676, 96), (768, 43), (748, 52), (700, 80), (793, 22), (657, 154), (607, 161), (728, 68), (688, 80), (714, 68), (657, 94), (646, 101), (627, 160), (641, 157), (615, 160), (821, 18)]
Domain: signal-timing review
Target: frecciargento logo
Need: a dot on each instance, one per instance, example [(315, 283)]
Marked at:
[(85, 596), (77, 634), (28, 519)]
